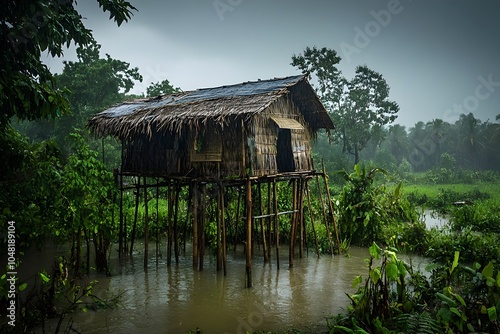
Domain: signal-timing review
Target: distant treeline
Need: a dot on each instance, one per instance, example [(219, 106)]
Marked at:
[(468, 144)]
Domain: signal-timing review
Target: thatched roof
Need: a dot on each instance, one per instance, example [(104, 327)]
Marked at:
[(220, 105)]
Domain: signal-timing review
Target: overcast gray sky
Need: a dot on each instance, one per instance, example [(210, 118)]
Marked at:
[(440, 58)]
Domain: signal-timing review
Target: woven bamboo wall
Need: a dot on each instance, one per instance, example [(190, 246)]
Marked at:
[(264, 159)]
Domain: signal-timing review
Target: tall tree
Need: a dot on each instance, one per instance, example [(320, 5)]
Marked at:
[(356, 106), (161, 88), (29, 28), (470, 138), (438, 134), (398, 142)]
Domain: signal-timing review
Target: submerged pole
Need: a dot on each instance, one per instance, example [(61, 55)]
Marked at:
[(223, 222), (134, 227), (176, 223), (331, 207), (248, 245), (276, 224), (325, 219), (291, 243), (312, 218), (262, 225), (120, 233), (194, 196), (146, 225)]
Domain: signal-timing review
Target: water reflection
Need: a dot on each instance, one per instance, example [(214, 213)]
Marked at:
[(177, 299)]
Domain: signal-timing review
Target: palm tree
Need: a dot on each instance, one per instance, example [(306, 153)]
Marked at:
[(438, 135), (398, 142), (471, 137)]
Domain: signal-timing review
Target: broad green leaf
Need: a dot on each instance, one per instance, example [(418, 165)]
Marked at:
[(375, 275), (44, 277), (460, 299), (455, 311), (455, 261), (22, 287), (357, 281), (375, 251), (490, 281), (492, 313), (498, 278), (392, 271), (450, 302), (488, 270)]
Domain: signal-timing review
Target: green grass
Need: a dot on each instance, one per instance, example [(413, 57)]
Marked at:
[(435, 190)]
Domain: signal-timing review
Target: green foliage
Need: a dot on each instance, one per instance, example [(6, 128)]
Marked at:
[(29, 29), (87, 193), (161, 88), (367, 212), (30, 180), (396, 299), (358, 107), (93, 83)]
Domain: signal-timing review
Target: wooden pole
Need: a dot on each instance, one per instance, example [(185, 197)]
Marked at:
[(249, 233), (219, 231), (157, 234), (269, 219), (331, 207), (186, 223), (194, 196), (325, 219), (146, 225), (170, 199), (176, 223), (223, 222), (291, 244), (235, 239), (301, 216), (262, 228), (276, 224), (120, 233), (201, 243), (312, 218), (134, 227)]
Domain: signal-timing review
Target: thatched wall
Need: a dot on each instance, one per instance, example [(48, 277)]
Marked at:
[(270, 154), (256, 128)]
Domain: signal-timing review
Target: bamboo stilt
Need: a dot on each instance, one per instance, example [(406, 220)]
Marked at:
[(276, 224), (157, 234), (219, 231), (300, 215), (169, 226), (312, 218), (331, 207), (146, 225), (190, 202), (134, 227), (325, 219), (262, 228), (194, 196), (235, 239), (120, 233), (291, 244), (269, 219), (201, 243), (223, 223), (249, 233), (176, 221)]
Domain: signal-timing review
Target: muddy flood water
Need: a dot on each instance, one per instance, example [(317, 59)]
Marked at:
[(177, 299)]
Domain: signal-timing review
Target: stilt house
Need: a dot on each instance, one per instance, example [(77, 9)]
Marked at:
[(258, 128), (242, 135)]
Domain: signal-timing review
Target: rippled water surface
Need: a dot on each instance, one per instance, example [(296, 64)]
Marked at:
[(177, 299)]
